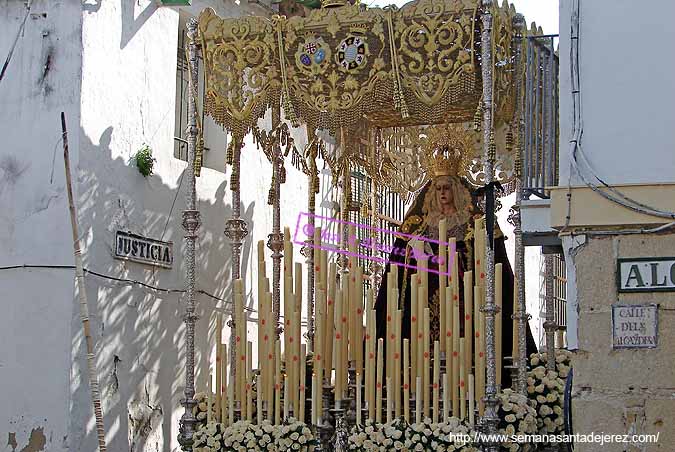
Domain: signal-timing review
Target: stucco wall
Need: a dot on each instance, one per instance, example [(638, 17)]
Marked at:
[(621, 391), (626, 89), (111, 67), (42, 80), (128, 97)]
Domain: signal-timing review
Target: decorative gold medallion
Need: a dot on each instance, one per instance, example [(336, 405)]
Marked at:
[(313, 55), (351, 53)]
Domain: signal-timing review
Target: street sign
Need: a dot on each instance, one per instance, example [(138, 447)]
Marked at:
[(646, 274), (634, 326)]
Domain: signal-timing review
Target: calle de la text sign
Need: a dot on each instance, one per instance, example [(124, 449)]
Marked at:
[(634, 326), (646, 274), (141, 249)]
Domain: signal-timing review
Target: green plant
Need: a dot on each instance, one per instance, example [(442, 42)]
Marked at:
[(144, 160)]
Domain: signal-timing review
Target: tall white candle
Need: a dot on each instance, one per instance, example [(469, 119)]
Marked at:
[(358, 399), (390, 396), (209, 399), (471, 400), (418, 401), (259, 410), (446, 400)]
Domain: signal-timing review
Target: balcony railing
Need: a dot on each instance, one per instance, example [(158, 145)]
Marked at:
[(541, 149)]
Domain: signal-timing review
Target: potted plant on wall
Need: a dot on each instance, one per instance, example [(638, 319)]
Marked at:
[(144, 160)]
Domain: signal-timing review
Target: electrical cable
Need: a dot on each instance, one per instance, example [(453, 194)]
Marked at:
[(122, 280), (16, 39), (575, 143)]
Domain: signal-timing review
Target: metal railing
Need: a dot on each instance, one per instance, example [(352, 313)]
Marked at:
[(541, 148)]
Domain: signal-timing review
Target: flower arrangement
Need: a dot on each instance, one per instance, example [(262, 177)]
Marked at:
[(517, 416), (453, 435), (209, 438), (246, 436), (563, 361), (546, 390), (200, 410)]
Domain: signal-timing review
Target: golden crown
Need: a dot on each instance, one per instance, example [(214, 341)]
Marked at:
[(447, 150), (333, 3)]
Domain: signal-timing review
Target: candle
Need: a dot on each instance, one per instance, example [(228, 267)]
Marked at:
[(498, 323), (287, 401), (344, 358), (456, 357), (390, 396), (358, 320), (372, 359), (468, 324), (413, 327), (418, 401), (406, 380), (258, 383), (230, 403), (219, 340), (427, 362), (378, 384), (314, 412), (317, 257), (209, 399), (471, 401), (352, 246), (303, 380), (269, 365), (358, 399), (481, 392), (318, 338), (289, 311), (436, 376), (277, 383), (396, 381), (297, 334), (446, 399), (329, 326), (420, 338), (449, 308), (368, 342), (249, 380), (338, 344), (478, 336), (462, 388), (223, 387), (390, 325), (442, 277)]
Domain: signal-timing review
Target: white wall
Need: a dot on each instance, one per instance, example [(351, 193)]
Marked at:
[(41, 81), (128, 97), (626, 89), (112, 69)]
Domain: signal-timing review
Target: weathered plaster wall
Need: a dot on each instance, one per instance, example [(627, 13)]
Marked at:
[(128, 97), (626, 90), (41, 81), (621, 391), (111, 67)]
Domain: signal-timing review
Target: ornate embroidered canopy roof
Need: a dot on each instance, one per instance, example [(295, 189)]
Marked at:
[(355, 68)]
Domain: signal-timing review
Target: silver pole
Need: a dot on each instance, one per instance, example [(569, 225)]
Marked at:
[(191, 223), (490, 419), (550, 324), (520, 313), (275, 240)]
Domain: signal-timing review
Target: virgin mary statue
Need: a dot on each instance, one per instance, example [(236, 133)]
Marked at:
[(446, 196)]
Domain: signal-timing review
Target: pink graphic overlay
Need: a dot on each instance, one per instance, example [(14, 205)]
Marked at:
[(330, 241)]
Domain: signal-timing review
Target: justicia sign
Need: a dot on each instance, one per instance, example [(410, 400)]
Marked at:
[(141, 249)]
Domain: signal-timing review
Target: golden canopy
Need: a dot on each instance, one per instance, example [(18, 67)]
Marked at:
[(416, 65)]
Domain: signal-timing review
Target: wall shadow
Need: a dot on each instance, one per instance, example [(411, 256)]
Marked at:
[(139, 332)]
